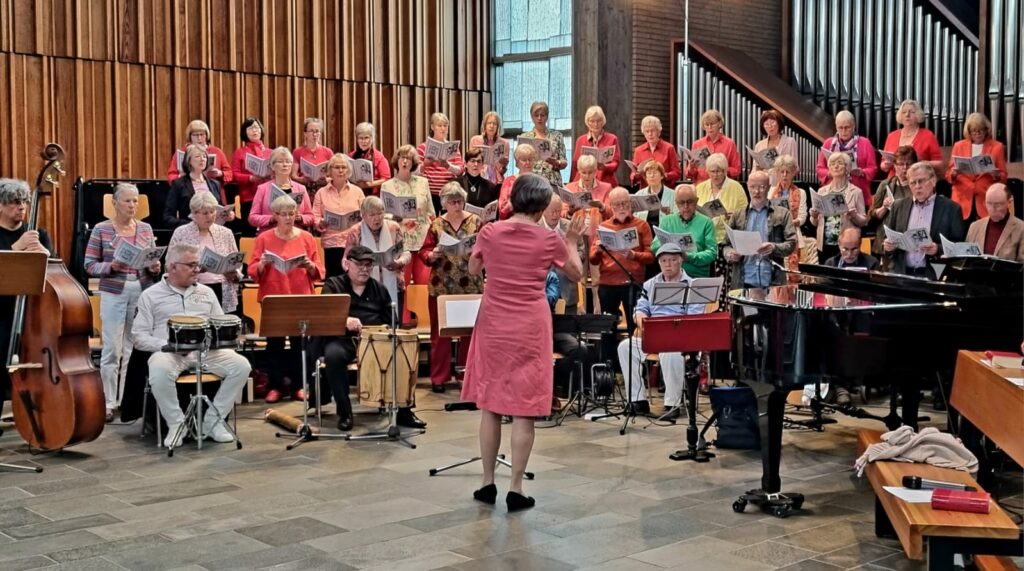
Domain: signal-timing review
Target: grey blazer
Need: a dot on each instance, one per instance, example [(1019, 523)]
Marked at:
[(947, 220)]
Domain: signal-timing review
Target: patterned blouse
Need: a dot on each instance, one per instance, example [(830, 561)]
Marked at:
[(99, 256), (220, 240), (414, 230), (449, 274), (557, 152)]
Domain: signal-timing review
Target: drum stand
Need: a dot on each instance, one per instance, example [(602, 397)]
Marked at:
[(194, 412), (393, 432)]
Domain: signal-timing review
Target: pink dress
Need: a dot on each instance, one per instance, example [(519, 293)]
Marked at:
[(509, 368)]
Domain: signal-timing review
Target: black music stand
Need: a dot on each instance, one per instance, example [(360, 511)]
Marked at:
[(304, 316), (578, 326), (24, 275), (461, 326)]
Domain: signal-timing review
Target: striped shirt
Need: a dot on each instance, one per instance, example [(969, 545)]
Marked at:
[(99, 255)]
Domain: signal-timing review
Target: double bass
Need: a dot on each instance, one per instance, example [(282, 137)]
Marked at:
[(56, 391)]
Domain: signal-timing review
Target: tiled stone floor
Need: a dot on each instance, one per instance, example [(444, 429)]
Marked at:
[(604, 501)]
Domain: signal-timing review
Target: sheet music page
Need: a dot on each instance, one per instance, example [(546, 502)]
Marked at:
[(257, 166), (958, 249), (542, 146), (745, 242), (644, 202), (461, 313), (314, 172), (362, 171), (831, 204), (399, 206), (338, 221), (621, 240), (685, 239), (487, 213)]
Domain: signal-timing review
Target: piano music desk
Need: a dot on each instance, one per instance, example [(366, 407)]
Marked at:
[(994, 405), (948, 532)]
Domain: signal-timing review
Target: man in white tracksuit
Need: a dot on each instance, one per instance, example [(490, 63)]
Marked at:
[(180, 294)]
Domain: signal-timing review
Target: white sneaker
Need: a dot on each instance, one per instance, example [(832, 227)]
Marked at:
[(172, 429), (217, 432)]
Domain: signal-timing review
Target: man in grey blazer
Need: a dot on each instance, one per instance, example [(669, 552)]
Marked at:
[(923, 209), (1000, 234)]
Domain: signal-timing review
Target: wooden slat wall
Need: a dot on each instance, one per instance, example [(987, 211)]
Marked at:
[(116, 81)]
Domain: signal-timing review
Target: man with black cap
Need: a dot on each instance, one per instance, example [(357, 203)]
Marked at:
[(673, 370), (371, 305)]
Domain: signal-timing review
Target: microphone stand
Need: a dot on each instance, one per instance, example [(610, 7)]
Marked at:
[(629, 412)]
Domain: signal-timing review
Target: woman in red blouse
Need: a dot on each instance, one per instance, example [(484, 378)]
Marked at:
[(597, 137), (312, 152), (713, 122), (198, 133), (657, 149), (252, 144), (366, 149), (911, 117), (271, 253)]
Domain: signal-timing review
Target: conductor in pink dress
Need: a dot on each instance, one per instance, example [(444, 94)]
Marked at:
[(509, 371)]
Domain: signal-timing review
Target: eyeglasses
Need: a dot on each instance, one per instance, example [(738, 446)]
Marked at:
[(477, 161), (191, 265), (851, 249), (919, 181), (362, 264), (901, 164), (759, 186), (686, 202)]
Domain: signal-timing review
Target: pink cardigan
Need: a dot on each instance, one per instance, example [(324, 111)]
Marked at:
[(261, 216)]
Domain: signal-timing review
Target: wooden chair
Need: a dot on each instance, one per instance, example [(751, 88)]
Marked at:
[(246, 245), (141, 213), (416, 300), (187, 377)]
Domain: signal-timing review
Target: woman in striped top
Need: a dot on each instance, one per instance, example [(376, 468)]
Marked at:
[(439, 172), (120, 286)]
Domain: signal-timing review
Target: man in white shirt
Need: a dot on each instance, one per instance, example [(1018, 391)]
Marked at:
[(180, 294)]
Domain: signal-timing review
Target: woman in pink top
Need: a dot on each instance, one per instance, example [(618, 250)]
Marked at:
[(366, 149), (597, 137), (859, 149), (270, 252), (490, 136), (312, 152), (338, 197), (261, 217), (911, 117), (438, 173), (508, 371), (772, 123), (525, 156)]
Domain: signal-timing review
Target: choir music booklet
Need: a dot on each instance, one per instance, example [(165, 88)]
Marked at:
[(978, 165), (492, 154), (831, 204), (745, 242), (136, 257), (643, 202), (958, 249), (619, 240), (487, 213), (337, 221), (910, 241), (633, 167), (700, 156), (211, 160), (851, 153), (220, 264), (277, 192), (362, 171), (542, 146), (385, 257), (314, 172), (257, 166), (582, 199), (282, 265), (887, 156), (713, 208), (452, 246), (684, 240), (441, 151), (222, 213), (602, 154), (764, 159), (399, 206)]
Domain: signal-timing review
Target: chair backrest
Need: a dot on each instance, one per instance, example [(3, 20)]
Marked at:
[(238, 208), (251, 307), (97, 323), (246, 245), (141, 213), (416, 302)]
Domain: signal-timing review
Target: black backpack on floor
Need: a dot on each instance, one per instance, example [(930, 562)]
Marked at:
[(735, 409)]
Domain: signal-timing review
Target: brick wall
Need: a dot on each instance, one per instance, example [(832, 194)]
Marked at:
[(752, 26)]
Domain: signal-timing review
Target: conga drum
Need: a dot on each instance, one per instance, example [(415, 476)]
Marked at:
[(376, 365)]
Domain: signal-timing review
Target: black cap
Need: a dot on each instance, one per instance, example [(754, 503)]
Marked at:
[(359, 254)]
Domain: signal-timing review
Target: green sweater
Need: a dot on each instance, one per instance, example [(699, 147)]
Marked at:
[(697, 264)]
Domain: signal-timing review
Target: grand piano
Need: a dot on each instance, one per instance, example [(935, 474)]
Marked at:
[(843, 324)]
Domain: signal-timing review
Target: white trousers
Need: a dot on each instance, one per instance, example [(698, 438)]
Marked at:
[(117, 311), (673, 372), (164, 369)]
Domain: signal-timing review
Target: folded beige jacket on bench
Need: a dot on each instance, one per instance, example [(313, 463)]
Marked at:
[(928, 446)]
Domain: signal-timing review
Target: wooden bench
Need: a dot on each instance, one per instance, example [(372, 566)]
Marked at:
[(948, 532)]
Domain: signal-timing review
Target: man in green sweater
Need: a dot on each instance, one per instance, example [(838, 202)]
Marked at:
[(696, 264)]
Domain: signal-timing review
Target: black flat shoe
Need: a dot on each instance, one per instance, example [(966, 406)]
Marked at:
[(518, 502), (345, 423), (438, 388), (487, 494), (406, 418)]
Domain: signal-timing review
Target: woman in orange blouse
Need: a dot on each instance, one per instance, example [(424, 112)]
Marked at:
[(312, 152), (449, 274), (338, 197), (969, 189), (270, 250)]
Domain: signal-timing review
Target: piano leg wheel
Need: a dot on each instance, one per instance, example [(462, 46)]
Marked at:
[(739, 505), (780, 511), (778, 504)]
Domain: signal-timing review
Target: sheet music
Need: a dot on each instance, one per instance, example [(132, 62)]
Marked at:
[(487, 213), (452, 246), (764, 159), (542, 146), (257, 166), (314, 172), (713, 208), (136, 257), (362, 171), (978, 165), (216, 263), (644, 202), (384, 257), (337, 221), (582, 199), (831, 204), (282, 265), (958, 249), (602, 154), (700, 156), (621, 240), (745, 242), (399, 206), (910, 241), (685, 240), (441, 151), (461, 313)]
